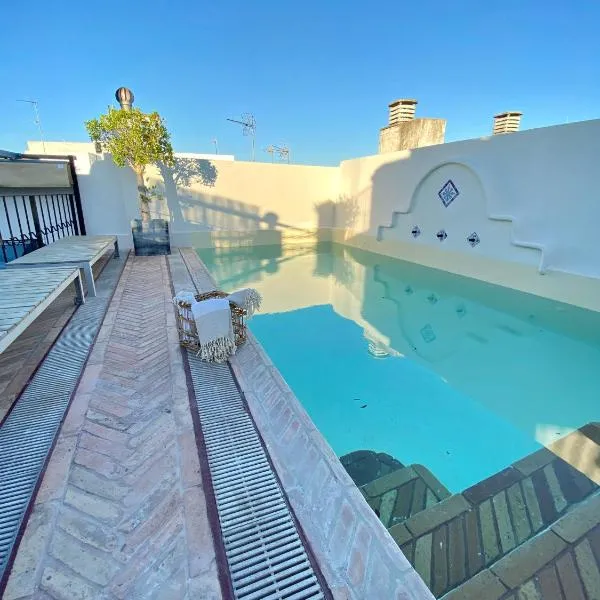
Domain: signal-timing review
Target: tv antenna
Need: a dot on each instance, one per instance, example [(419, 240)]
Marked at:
[(36, 119), (216, 143), (248, 123), (282, 152)]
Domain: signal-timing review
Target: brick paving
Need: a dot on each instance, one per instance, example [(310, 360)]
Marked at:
[(121, 512)]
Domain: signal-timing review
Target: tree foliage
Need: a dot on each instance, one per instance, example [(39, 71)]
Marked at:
[(136, 139), (132, 137)]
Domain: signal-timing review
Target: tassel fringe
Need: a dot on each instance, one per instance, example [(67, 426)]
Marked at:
[(217, 350), (248, 299)]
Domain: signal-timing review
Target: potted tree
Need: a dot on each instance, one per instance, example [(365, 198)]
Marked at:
[(137, 139)]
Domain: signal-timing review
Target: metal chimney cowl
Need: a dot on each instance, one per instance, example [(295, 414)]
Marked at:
[(124, 97)]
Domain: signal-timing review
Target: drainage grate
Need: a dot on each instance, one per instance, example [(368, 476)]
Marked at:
[(28, 432), (267, 559)]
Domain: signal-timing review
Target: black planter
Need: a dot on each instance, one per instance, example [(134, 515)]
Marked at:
[(151, 238)]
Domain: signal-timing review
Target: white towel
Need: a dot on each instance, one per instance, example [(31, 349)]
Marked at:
[(184, 296), (215, 331), (248, 299)]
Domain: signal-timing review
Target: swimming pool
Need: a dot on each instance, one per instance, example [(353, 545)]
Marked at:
[(458, 375)]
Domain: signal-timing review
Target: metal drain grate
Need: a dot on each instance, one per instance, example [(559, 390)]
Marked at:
[(27, 434), (266, 557)]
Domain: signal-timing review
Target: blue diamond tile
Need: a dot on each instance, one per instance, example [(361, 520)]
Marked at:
[(441, 235), (448, 193), (416, 232), (473, 239)]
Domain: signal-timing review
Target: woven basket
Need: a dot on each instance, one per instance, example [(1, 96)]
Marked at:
[(186, 326)]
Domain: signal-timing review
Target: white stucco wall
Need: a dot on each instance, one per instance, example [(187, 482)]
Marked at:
[(259, 202), (531, 197)]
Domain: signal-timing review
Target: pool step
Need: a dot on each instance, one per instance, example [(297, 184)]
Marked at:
[(565, 555), (397, 496), (462, 537), (365, 466)]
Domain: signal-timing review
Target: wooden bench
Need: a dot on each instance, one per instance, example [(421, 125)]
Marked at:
[(81, 251), (26, 293)]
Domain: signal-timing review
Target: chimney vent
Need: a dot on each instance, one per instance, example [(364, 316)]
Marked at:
[(402, 110), (507, 122)]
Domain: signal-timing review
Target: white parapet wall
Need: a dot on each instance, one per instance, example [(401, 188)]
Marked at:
[(530, 197), (208, 199), (519, 209)]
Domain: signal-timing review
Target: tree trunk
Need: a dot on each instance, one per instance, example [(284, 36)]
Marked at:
[(171, 195), (142, 193)]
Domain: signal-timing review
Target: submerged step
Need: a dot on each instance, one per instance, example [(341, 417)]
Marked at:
[(399, 495), (464, 536), (365, 466)]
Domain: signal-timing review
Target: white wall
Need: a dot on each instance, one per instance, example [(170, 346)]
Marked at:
[(531, 197), (243, 197), (108, 194), (203, 199)]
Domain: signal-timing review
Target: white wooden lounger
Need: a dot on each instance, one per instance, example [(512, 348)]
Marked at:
[(26, 293), (77, 250)]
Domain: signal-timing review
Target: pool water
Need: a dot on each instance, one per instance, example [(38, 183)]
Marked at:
[(452, 373)]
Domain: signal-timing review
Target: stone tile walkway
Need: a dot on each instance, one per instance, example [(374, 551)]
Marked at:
[(121, 512)]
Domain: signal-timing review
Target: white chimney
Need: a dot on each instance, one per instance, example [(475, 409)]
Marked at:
[(402, 110), (507, 122)]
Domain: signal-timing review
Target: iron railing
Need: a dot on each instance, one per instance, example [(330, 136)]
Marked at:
[(28, 222), (33, 218)]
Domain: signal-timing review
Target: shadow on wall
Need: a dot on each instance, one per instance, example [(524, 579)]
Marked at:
[(191, 196), (184, 173), (232, 222), (341, 213)]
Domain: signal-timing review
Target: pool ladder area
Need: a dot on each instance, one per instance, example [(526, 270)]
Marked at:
[(540, 506)]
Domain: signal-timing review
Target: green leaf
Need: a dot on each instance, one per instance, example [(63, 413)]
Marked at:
[(132, 137)]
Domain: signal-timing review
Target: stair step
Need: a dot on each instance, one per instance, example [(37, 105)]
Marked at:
[(365, 466), (568, 551), (403, 493), (467, 534)]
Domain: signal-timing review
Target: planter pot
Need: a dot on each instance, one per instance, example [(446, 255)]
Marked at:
[(151, 238)]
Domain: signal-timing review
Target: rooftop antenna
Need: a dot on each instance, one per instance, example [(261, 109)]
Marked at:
[(283, 152), (248, 123), (36, 120), (216, 143)]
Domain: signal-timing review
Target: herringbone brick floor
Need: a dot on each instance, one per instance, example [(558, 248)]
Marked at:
[(121, 512)]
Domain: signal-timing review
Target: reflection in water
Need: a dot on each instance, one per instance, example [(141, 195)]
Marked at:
[(473, 372)]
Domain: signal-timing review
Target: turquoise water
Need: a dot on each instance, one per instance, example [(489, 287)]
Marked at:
[(452, 373)]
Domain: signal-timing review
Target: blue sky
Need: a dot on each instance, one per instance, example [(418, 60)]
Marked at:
[(317, 74)]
